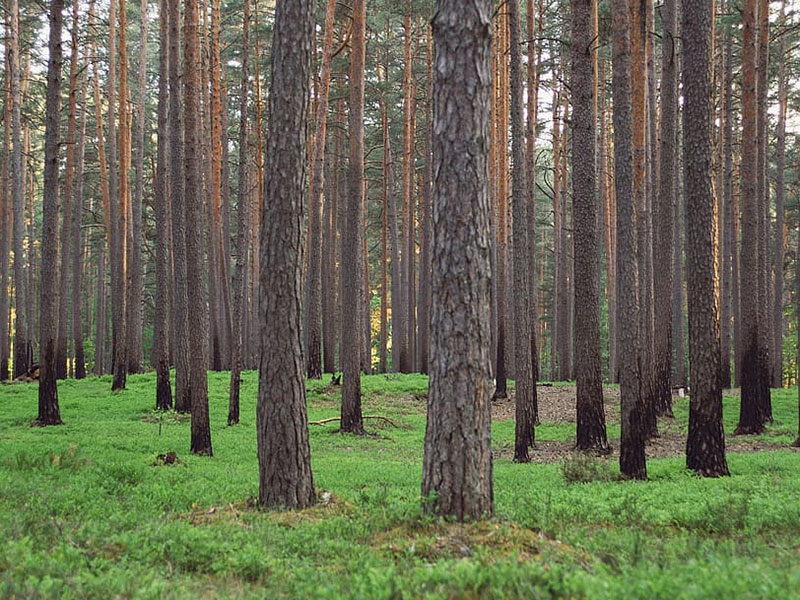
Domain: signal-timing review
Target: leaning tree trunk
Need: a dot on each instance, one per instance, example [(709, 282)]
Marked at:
[(457, 463), (49, 413), (284, 454)]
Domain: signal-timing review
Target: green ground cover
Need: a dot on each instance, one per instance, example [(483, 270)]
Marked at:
[(88, 511)]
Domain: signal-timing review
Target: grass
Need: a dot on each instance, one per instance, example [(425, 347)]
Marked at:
[(87, 510)]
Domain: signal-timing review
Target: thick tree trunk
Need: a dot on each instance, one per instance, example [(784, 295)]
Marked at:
[(705, 446), (457, 464), (6, 217), (632, 456), (352, 260), (284, 455), (49, 413), (729, 241), (591, 426)]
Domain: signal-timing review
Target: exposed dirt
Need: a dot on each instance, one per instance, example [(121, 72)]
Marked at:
[(557, 405)]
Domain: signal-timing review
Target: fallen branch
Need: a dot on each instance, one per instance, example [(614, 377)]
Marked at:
[(332, 419)]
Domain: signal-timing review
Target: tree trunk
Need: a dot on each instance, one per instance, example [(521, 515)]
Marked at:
[(664, 222), (23, 342), (705, 446), (383, 348), (632, 458), (729, 241), (457, 464), (284, 456), (161, 324), (780, 233), (316, 200), (751, 418), (525, 386), (183, 399), (195, 238), (134, 305), (49, 413), (591, 427), (6, 215), (352, 260), (243, 227), (426, 221)]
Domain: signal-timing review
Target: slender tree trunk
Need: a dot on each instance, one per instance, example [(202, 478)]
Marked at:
[(183, 398), (134, 304), (161, 324), (398, 330), (780, 233), (426, 221), (609, 230), (729, 241), (6, 216), (49, 413), (525, 386), (457, 464), (632, 457), (76, 235), (243, 227), (23, 343), (383, 350), (284, 455), (665, 207), (316, 200), (352, 261)]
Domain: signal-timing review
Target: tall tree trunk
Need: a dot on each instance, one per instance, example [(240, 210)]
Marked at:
[(609, 229), (284, 455), (383, 347), (664, 222), (23, 342), (117, 193), (243, 226), (61, 357), (729, 241), (176, 194), (76, 235), (161, 321), (316, 200), (134, 304), (49, 413), (352, 260), (751, 417), (780, 233), (705, 446), (591, 427), (632, 458), (525, 385), (457, 463), (6, 215), (426, 221)]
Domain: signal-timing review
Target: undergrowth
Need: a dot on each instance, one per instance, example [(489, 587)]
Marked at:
[(113, 505)]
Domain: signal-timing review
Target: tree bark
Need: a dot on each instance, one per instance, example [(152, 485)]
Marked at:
[(730, 242), (161, 323), (6, 215), (591, 423), (285, 478), (49, 413), (457, 463), (705, 446), (352, 260), (632, 457), (195, 238)]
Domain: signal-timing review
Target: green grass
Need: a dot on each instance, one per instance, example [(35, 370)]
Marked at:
[(85, 513)]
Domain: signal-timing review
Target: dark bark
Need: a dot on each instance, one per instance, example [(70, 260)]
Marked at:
[(6, 217), (780, 233), (426, 222), (591, 423), (284, 456), (243, 228), (632, 456), (352, 260), (729, 240), (183, 399), (195, 236), (49, 413), (705, 445), (161, 325), (664, 222), (457, 464)]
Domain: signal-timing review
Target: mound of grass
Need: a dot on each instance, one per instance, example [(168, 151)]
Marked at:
[(112, 504)]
